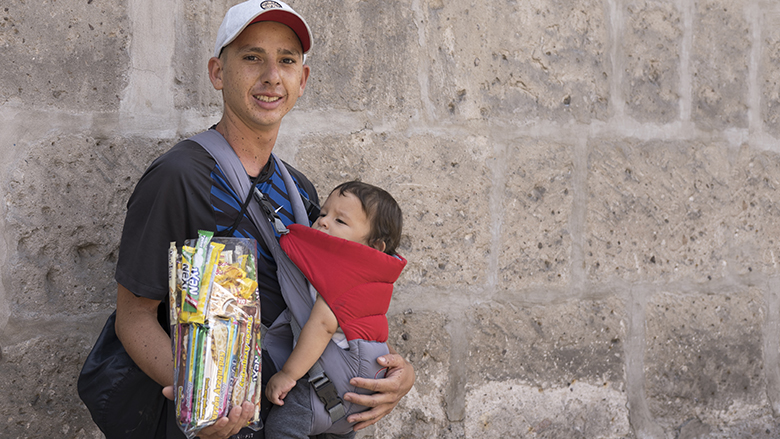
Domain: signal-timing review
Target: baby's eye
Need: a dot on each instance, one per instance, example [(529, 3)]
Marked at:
[(340, 221)]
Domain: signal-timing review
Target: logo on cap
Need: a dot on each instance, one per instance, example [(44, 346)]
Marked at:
[(270, 5)]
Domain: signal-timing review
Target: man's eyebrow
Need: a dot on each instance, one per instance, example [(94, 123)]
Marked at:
[(251, 49), (292, 51), (281, 51)]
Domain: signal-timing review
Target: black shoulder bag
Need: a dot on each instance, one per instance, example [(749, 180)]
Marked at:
[(123, 401)]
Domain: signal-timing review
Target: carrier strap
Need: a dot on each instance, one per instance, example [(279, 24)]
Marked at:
[(294, 285)]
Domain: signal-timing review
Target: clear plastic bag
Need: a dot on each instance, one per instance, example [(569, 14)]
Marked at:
[(215, 329)]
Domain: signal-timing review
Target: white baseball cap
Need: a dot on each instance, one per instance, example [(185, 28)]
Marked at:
[(252, 11)]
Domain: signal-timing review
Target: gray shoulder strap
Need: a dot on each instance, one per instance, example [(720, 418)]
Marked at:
[(213, 142), (291, 279), (294, 285)]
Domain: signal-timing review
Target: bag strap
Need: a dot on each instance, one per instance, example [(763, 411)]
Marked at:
[(294, 285)]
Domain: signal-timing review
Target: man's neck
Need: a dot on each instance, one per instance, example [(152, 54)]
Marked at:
[(252, 147)]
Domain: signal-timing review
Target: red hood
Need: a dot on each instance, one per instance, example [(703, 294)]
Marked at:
[(355, 280)]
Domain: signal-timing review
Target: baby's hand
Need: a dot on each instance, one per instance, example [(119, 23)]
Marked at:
[(278, 387)]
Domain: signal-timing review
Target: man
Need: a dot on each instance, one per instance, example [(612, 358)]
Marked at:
[(258, 65)]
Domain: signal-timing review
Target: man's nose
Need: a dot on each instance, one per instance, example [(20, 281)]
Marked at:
[(271, 74)]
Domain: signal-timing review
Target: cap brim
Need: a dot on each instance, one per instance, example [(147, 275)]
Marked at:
[(291, 20)]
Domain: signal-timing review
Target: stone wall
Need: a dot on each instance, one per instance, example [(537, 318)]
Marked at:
[(591, 191)]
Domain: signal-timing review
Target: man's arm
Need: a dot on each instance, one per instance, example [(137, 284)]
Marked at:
[(144, 339), (397, 383)]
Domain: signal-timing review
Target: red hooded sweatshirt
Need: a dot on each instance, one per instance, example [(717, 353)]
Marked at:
[(355, 280)]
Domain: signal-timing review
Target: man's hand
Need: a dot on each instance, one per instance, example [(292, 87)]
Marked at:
[(397, 383), (225, 426)]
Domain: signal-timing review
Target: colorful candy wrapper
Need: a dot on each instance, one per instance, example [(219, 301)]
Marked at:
[(215, 329)]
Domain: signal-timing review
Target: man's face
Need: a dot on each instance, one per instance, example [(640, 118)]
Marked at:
[(261, 75)]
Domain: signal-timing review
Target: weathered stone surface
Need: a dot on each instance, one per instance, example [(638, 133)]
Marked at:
[(549, 346), (673, 210), (719, 65), (770, 77), (39, 388), (65, 210), (441, 184), (536, 241), (651, 50), (63, 54), (516, 409), (704, 358), (753, 213), (196, 35), (363, 58), (422, 339), (527, 60)]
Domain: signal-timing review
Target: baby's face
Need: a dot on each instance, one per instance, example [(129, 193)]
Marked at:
[(342, 216)]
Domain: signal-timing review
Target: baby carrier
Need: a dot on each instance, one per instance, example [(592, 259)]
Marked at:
[(329, 377)]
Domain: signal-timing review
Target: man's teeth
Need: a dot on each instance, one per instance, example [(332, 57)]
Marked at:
[(267, 98)]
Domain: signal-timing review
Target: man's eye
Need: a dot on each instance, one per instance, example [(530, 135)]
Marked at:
[(250, 58), (288, 61)]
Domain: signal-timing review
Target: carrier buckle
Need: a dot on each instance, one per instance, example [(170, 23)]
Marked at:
[(327, 393)]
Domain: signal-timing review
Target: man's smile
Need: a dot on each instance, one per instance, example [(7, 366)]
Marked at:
[(267, 98)]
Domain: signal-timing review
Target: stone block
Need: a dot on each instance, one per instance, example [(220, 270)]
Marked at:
[(672, 210), (551, 346), (540, 59), (753, 212), (196, 33), (719, 65), (39, 387), (422, 339), (64, 54), (769, 77), (704, 358), (443, 188), (364, 56), (65, 206), (655, 209), (535, 238), (651, 45), (516, 409)]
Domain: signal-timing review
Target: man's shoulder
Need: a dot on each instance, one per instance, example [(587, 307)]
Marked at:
[(186, 163), (184, 155)]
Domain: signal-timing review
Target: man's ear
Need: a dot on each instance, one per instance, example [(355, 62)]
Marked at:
[(305, 76), (215, 72)]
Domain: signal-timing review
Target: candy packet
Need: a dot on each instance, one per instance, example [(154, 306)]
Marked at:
[(215, 329)]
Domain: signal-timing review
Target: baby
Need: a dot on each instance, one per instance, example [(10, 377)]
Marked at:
[(359, 213)]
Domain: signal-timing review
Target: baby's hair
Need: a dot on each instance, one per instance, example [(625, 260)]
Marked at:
[(384, 214)]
